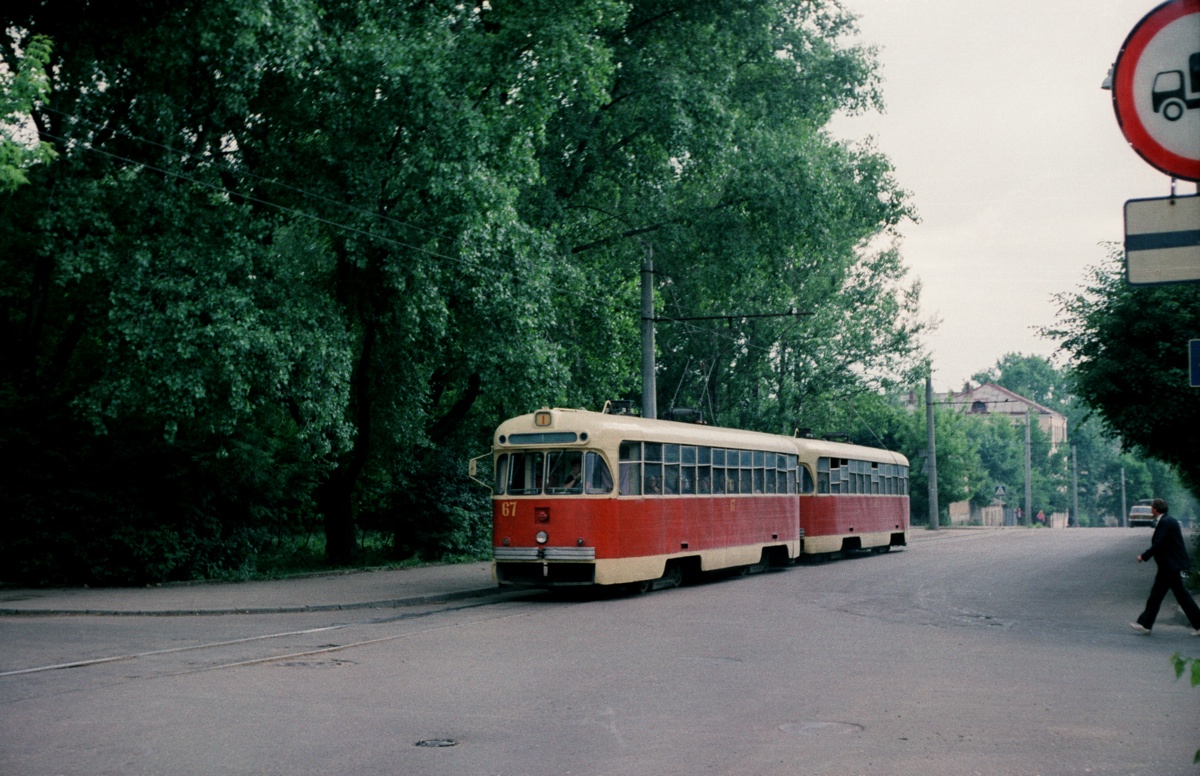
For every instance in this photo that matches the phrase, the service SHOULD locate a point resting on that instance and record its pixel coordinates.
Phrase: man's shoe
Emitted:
(1137, 626)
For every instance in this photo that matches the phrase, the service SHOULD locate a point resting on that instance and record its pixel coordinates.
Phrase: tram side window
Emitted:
(704, 470)
(598, 479)
(718, 471)
(525, 473)
(687, 470)
(630, 469)
(746, 476)
(792, 462)
(654, 470)
(835, 476)
(806, 480)
(671, 485)
(902, 485)
(501, 474)
(822, 475)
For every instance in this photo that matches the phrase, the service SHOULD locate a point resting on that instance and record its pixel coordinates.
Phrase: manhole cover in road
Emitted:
(436, 742)
(820, 728)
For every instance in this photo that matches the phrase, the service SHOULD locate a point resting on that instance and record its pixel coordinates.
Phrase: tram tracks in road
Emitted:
(298, 645)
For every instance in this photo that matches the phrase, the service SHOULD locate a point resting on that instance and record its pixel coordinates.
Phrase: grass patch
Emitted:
(300, 555)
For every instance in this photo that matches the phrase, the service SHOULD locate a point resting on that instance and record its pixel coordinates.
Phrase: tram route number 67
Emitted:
(508, 508)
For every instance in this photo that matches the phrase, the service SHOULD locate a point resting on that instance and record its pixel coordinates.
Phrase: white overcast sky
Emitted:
(997, 125)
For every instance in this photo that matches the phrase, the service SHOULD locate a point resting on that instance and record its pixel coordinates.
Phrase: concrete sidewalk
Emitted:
(383, 588)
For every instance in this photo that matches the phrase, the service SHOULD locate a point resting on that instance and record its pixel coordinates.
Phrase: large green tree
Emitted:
(718, 167)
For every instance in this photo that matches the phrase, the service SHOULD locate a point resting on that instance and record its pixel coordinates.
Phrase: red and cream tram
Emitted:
(586, 498)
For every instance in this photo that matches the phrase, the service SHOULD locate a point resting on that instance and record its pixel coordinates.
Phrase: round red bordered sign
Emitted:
(1156, 88)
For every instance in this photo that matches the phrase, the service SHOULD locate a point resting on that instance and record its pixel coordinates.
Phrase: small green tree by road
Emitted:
(1127, 354)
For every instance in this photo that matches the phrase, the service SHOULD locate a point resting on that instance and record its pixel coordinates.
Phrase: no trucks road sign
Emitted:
(1156, 88)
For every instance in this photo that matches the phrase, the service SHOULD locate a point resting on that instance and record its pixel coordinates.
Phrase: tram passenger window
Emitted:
(654, 451)
(501, 473)
(791, 472)
(654, 479)
(670, 453)
(687, 455)
(747, 459)
(746, 481)
(718, 479)
(822, 475)
(875, 479)
(704, 479)
(704, 455)
(687, 480)
(760, 459)
(630, 468)
(718, 457)
(770, 486)
(671, 479)
(759, 485)
(599, 480)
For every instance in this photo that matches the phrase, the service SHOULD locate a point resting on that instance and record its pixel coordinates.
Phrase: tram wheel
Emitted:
(672, 577)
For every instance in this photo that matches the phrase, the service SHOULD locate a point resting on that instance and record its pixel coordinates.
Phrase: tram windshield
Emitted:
(552, 473)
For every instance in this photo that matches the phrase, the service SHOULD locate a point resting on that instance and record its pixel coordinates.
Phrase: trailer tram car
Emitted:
(585, 498)
(860, 501)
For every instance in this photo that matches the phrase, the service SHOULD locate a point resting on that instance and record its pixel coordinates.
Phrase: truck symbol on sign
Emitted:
(1170, 95)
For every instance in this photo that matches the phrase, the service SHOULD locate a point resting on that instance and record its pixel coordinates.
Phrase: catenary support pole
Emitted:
(1074, 486)
(1028, 468)
(649, 389)
(931, 458)
(1123, 520)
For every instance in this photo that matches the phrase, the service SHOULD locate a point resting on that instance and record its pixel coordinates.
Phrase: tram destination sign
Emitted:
(1162, 240)
(1156, 88)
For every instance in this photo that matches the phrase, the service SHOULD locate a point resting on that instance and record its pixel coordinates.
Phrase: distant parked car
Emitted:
(1140, 514)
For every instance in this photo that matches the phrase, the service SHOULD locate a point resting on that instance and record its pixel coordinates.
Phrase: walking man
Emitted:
(1170, 553)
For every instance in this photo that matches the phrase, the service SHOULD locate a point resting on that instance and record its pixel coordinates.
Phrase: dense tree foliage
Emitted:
(296, 258)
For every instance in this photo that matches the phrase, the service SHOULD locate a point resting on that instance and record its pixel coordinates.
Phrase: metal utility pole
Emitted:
(1074, 484)
(649, 389)
(931, 460)
(1028, 468)
(1123, 518)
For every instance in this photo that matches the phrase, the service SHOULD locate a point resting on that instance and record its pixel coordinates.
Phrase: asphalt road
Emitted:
(989, 652)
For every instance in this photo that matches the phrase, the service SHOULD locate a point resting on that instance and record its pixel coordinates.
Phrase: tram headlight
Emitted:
(542, 537)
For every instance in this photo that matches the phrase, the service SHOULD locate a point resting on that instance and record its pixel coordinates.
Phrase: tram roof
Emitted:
(635, 428)
(822, 447)
(632, 427)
